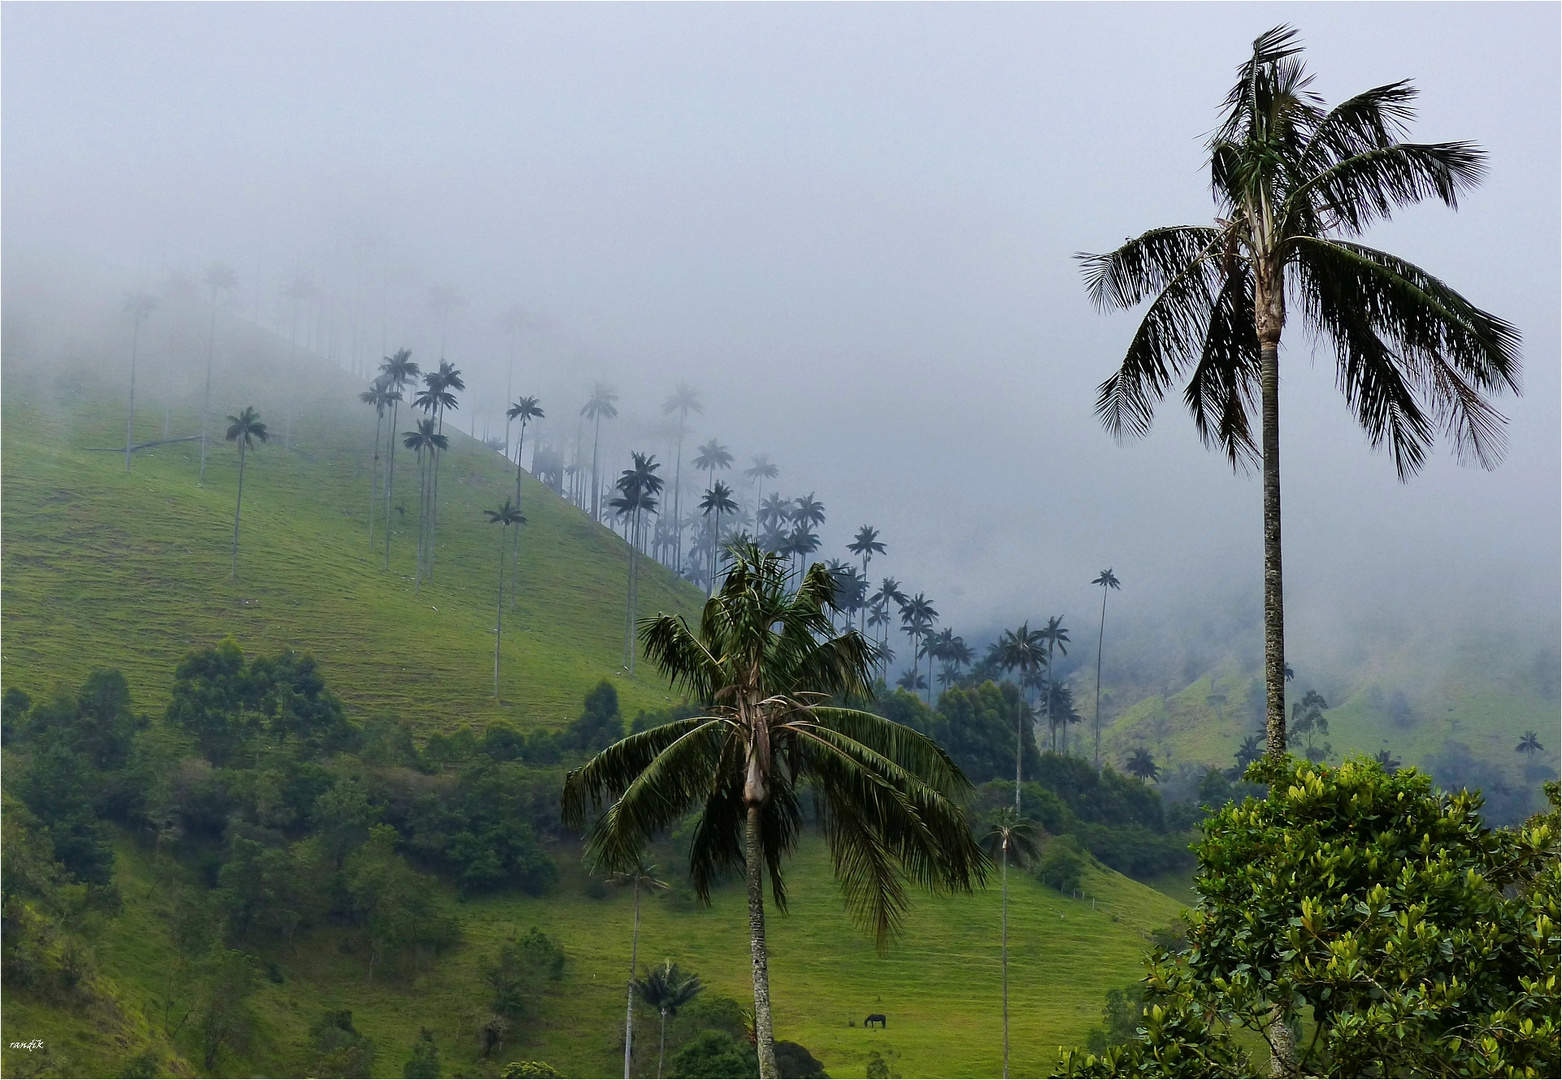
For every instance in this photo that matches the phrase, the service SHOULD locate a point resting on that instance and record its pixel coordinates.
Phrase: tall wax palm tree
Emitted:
(244, 429)
(438, 396)
(774, 511)
(426, 441)
(398, 371)
(917, 616)
(507, 515)
(683, 401)
(716, 502)
(512, 322)
(637, 875)
(597, 408)
(1009, 838)
(1295, 185)
(379, 395)
(1142, 765)
(763, 469)
(1529, 744)
(444, 300)
(140, 305)
(888, 593)
(1107, 580)
(766, 667)
(638, 489)
(219, 279)
(1022, 650)
(525, 410)
(1055, 634)
(712, 456)
(666, 989)
(865, 546)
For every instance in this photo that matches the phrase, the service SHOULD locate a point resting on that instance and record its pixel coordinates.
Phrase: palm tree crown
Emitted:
(1295, 185)
(766, 667)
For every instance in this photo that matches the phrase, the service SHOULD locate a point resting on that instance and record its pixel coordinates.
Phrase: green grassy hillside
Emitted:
(104, 567)
(1205, 721)
(939, 986)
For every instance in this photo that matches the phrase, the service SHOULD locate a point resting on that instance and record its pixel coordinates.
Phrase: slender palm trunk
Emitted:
(417, 579)
(764, 1036)
(1005, 875)
(390, 480)
(661, 1050)
(629, 600)
(634, 960)
(130, 415)
(206, 399)
(433, 508)
(1100, 639)
(678, 498)
(238, 505)
(596, 491)
(1019, 748)
(374, 473)
(515, 547)
(499, 620)
(1274, 599)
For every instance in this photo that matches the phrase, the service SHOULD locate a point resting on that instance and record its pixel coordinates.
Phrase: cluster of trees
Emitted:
(271, 818)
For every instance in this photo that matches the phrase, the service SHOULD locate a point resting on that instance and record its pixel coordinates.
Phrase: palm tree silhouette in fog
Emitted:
(140, 306)
(244, 429)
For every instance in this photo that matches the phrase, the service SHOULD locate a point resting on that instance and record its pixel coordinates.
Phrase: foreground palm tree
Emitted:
(244, 429)
(1107, 580)
(525, 410)
(666, 989)
(507, 515)
(1008, 837)
(766, 667)
(1294, 186)
(638, 875)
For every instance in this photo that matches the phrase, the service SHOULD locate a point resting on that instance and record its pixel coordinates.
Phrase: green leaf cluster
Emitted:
(1405, 936)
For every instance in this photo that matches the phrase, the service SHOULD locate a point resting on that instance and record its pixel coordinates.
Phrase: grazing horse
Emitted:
(876, 1018)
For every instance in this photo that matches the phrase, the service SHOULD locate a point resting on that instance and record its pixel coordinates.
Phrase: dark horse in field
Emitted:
(876, 1018)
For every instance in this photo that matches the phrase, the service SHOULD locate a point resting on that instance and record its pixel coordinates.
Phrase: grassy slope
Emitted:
(105, 568)
(131, 570)
(939, 986)
(1479, 708)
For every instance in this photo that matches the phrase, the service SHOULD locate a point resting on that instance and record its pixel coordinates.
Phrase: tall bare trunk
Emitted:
(1274, 602)
(1019, 748)
(237, 506)
(634, 960)
(764, 1036)
(130, 414)
(515, 545)
(1006, 959)
(374, 472)
(1100, 639)
(390, 480)
(499, 615)
(206, 399)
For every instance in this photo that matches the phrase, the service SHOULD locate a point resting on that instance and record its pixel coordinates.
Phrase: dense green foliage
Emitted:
(1402, 934)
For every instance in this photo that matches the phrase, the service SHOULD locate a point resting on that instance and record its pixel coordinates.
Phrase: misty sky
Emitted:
(852, 228)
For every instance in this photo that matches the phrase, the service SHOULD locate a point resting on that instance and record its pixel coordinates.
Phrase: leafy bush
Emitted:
(1421, 941)
(1063, 864)
(521, 971)
(336, 1047)
(714, 1054)
(424, 1062)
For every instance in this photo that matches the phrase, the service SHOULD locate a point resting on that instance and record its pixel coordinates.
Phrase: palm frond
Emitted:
(1373, 118)
(1353, 194)
(610, 773)
(1378, 309)
(1221, 392)
(1167, 340)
